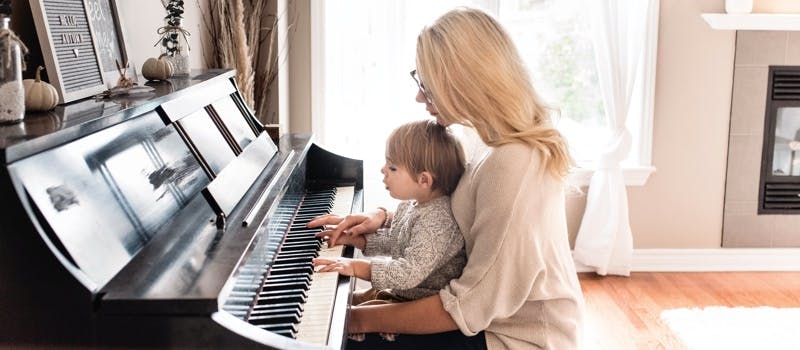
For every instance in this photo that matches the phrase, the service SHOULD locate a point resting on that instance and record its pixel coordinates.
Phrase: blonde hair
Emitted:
(427, 146)
(476, 78)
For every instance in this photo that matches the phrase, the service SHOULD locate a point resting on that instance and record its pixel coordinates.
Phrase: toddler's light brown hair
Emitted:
(427, 146)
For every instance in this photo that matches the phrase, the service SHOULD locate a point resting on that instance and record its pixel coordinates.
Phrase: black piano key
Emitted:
(302, 247)
(297, 275)
(288, 279)
(286, 329)
(311, 246)
(271, 307)
(296, 291)
(274, 311)
(290, 285)
(289, 264)
(293, 271)
(298, 240)
(279, 299)
(294, 259)
(300, 254)
(289, 317)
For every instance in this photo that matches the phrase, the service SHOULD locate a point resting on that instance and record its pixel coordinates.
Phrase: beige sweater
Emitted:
(520, 283)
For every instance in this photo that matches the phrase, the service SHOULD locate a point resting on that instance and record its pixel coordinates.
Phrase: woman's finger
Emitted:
(359, 229)
(345, 224)
(327, 219)
(324, 234)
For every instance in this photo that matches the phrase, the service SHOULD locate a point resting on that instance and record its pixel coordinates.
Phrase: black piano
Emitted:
(169, 219)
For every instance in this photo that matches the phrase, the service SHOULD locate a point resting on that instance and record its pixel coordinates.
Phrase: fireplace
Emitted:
(779, 190)
(761, 207)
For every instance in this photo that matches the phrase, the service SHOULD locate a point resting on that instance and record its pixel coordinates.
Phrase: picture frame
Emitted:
(109, 37)
(81, 43)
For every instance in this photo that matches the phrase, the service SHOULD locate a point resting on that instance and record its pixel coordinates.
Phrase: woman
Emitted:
(519, 289)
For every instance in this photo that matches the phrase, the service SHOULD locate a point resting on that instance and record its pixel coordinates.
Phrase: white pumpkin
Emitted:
(157, 69)
(39, 95)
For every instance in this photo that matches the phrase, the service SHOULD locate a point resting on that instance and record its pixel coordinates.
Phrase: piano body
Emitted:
(169, 220)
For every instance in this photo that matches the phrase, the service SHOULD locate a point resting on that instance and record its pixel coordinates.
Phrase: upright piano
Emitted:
(169, 220)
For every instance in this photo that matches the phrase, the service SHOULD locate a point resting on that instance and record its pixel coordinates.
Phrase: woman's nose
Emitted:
(420, 97)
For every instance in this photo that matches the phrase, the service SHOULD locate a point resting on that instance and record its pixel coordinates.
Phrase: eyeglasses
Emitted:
(421, 87)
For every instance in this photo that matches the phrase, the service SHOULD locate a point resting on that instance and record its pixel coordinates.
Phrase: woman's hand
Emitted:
(351, 225)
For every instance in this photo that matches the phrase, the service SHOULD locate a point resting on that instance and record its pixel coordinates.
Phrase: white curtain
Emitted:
(622, 29)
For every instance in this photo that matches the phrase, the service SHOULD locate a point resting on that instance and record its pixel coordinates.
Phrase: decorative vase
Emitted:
(12, 93)
(175, 38)
(738, 6)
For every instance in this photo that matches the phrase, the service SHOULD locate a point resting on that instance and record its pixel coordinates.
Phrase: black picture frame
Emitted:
(109, 38)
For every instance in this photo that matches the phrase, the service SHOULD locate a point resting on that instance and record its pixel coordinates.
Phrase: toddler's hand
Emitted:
(341, 265)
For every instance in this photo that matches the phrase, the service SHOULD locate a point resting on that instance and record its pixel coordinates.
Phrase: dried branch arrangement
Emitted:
(245, 37)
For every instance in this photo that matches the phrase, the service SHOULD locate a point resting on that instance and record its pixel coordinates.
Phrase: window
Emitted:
(361, 81)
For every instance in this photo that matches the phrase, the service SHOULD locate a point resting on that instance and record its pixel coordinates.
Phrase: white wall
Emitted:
(141, 20)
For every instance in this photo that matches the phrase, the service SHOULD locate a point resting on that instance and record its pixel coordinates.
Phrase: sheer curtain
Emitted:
(624, 32)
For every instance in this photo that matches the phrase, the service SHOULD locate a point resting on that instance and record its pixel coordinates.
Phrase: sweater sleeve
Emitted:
(503, 262)
(433, 234)
(380, 244)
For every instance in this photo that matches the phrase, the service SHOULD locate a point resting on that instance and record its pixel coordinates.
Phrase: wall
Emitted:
(141, 20)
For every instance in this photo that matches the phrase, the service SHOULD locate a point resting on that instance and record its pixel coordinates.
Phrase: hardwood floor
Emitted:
(624, 312)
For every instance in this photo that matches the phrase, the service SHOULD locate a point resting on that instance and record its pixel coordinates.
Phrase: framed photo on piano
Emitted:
(81, 42)
(108, 33)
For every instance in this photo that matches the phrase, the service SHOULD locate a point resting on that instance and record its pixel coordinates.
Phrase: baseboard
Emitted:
(721, 259)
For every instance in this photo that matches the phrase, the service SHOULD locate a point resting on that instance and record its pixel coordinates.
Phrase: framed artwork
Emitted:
(108, 34)
(81, 43)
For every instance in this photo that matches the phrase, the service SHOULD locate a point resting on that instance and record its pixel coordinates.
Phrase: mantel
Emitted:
(753, 21)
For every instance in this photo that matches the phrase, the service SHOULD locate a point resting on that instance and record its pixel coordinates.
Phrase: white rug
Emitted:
(736, 328)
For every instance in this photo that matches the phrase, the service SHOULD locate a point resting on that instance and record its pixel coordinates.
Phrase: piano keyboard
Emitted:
(293, 300)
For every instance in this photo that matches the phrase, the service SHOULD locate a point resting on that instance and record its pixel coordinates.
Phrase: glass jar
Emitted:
(175, 45)
(12, 94)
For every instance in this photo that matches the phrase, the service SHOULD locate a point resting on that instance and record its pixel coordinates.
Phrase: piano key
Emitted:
(279, 299)
(293, 285)
(293, 299)
(288, 317)
(315, 323)
(267, 307)
(288, 329)
(285, 310)
(276, 292)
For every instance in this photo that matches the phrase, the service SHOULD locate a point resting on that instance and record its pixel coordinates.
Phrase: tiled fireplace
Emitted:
(746, 224)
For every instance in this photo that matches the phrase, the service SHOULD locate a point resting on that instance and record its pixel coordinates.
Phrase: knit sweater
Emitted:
(424, 247)
(520, 284)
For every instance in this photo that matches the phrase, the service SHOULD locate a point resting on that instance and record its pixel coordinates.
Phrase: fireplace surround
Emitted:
(745, 223)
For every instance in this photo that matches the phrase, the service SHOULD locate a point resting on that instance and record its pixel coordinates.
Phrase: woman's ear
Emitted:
(425, 179)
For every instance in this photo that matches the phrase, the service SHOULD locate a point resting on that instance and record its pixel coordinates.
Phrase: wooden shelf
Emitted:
(753, 21)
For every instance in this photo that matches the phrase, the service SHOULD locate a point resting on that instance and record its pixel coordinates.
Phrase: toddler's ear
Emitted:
(425, 179)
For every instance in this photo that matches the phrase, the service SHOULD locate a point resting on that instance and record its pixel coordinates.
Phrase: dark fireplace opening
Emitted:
(779, 187)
